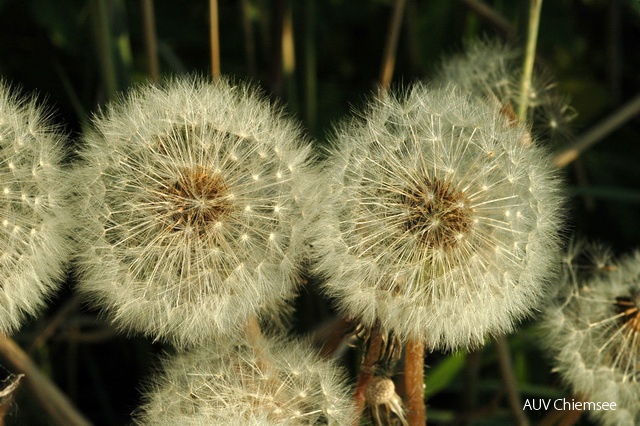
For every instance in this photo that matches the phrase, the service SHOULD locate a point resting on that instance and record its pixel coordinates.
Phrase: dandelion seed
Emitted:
(34, 211)
(278, 383)
(446, 228)
(593, 332)
(188, 232)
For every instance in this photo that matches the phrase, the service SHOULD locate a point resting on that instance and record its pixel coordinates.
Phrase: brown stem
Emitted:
(215, 39)
(367, 368)
(492, 16)
(414, 382)
(150, 39)
(389, 60)
(599, 132)
(506, 369)
(56, 404)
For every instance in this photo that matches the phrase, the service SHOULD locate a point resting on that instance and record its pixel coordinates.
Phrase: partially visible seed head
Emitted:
(275, 383)
(35, 216)
(593, 332)
(492, 70)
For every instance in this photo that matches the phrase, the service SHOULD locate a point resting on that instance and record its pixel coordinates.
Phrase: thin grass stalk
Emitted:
(150, 39)
(214, 33)
(289, 57)
(535, 7)
(275, 22)
(510, 385)
(599, 132)
(492, 16)
(105, 52)
(391, 47)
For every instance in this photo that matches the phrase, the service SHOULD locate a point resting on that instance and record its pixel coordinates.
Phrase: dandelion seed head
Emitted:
(432, 237)
(34, 209)
(593, 331)
(280, 382)
(492, 70)
(188, 232)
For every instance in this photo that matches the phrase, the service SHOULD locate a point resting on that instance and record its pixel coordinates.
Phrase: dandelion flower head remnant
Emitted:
(34, 219)
(193, 222)
(447, 222)
(279, 382)
(593, 331)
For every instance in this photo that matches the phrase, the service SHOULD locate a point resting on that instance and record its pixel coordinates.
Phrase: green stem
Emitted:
(527, 70)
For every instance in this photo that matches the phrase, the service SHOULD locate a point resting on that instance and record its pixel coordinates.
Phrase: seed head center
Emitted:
(629, 310)
(197, 199)
(438, 214)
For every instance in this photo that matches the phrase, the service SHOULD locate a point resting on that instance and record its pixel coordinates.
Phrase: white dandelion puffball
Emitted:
(446, 222)
(277, 383)
(33, 213)
(193, 221)
(593, 333)
(492, 70)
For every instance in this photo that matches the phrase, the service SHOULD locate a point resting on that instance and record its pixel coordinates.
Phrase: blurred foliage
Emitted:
(52, 48)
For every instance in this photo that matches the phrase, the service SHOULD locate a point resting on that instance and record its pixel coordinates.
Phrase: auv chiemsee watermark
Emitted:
(562, 404)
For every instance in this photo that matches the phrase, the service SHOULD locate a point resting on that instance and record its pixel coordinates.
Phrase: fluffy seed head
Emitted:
(493, 70)
(192, 221)
(278, 383)
(34, 219)
(445, 224)
(593, 332)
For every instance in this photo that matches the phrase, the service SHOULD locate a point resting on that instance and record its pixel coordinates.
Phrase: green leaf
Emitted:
(443, 374)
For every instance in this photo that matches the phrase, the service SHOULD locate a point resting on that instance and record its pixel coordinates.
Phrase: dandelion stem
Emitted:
(506, 369)
(150, 39)
(367, 368)
(215, 39)
(414, 382)
(529, 58)
(599, 131)
(51, 398)
(389, 58)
